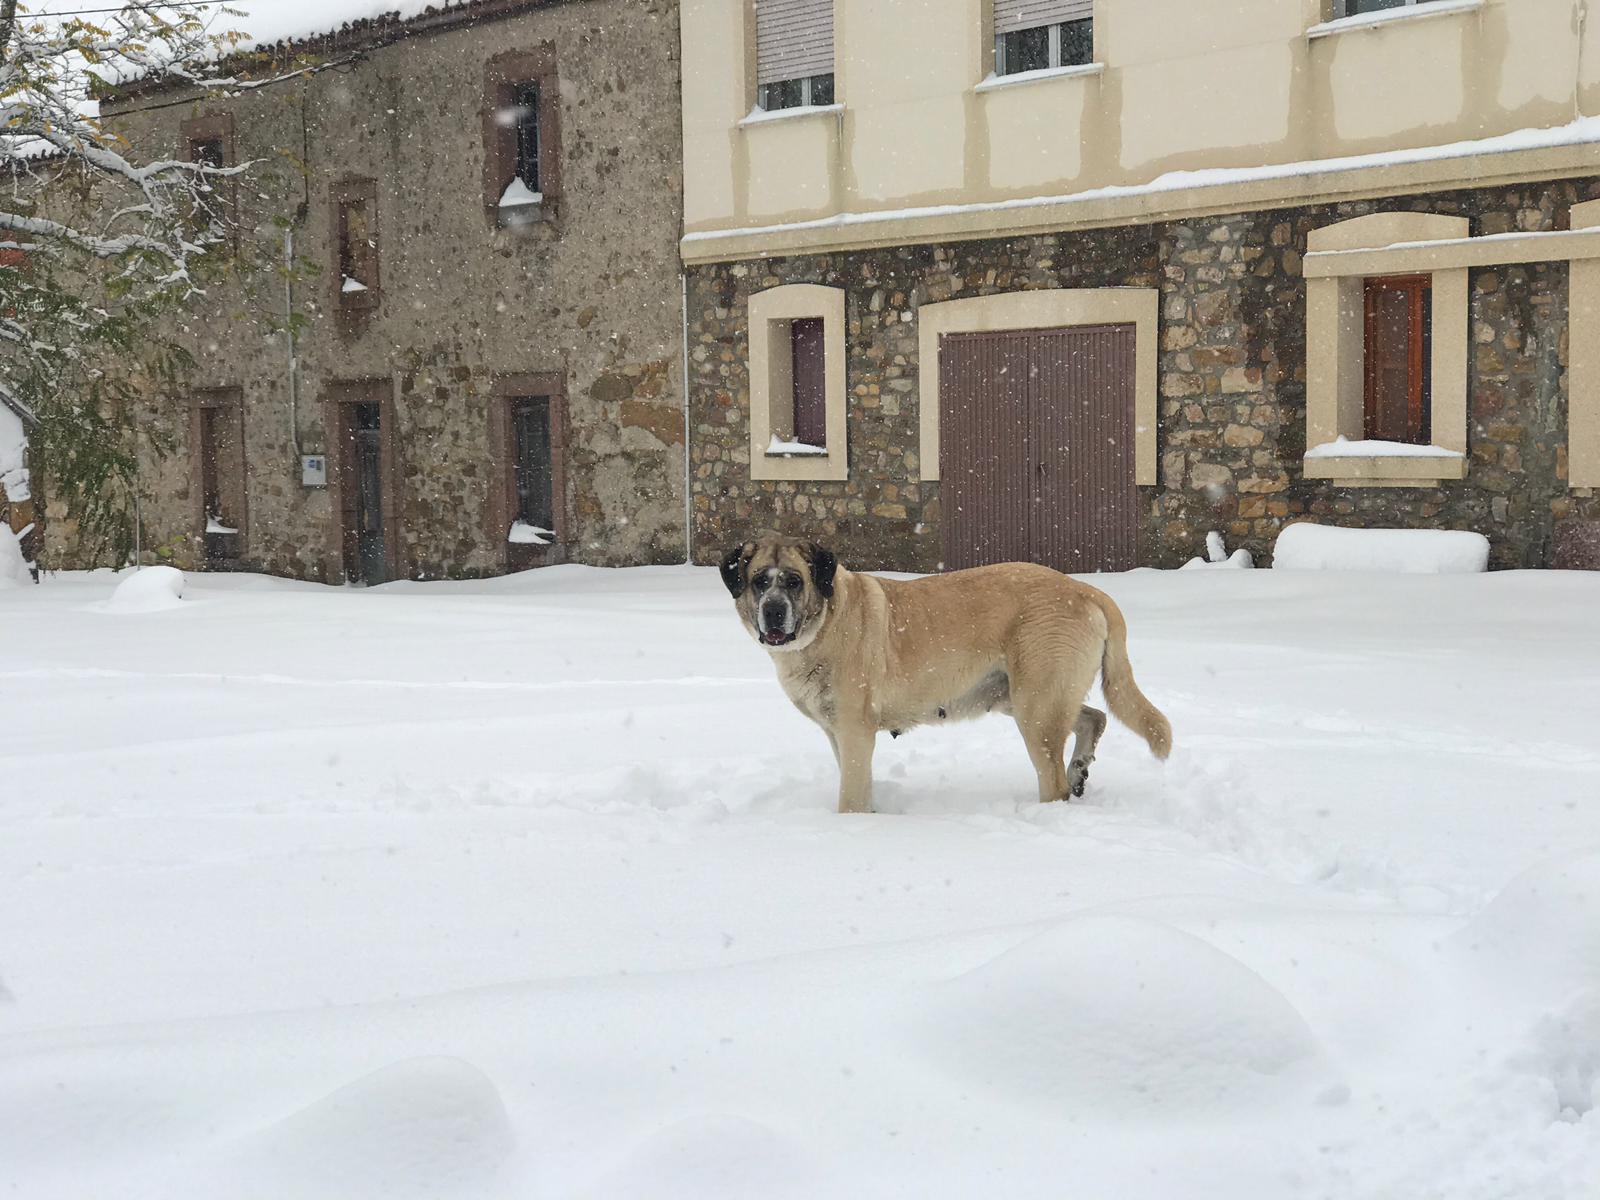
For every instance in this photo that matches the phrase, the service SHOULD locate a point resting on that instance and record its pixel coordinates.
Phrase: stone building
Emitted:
(478, 207)
(1091, 278)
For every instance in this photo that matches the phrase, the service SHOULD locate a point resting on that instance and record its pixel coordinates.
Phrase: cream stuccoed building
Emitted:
(1083, 280)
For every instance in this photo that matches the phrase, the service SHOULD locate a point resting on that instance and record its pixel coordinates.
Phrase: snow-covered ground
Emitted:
(532, 888)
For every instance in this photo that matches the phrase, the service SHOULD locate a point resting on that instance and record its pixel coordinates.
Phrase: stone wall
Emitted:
(1232, 385)
(592, 296)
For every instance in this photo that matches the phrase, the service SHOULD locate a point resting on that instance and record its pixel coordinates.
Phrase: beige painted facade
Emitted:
(924, 144)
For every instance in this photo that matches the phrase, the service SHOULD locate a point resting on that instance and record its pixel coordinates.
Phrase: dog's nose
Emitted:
(772, 614)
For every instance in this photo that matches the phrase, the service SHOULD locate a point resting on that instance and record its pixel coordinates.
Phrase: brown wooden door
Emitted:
(1037, 448)
(986, 437)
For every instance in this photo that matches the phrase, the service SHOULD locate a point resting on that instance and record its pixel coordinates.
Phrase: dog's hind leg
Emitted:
(1085, 737)
(1047, 694)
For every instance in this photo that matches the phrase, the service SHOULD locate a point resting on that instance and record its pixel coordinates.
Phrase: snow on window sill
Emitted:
(523, 534)
(761, 116)
(1344, 448)
(994, 82)
(778, 448)
(1388, 16)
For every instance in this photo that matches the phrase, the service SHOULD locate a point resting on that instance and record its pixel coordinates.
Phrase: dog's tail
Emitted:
(1127, 703)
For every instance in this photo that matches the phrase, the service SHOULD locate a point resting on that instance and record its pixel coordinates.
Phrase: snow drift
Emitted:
(1308, 546)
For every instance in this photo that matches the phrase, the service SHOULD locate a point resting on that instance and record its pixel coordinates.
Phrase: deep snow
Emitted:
(531, 888)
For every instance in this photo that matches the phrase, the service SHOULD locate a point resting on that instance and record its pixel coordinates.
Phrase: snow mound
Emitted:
(713, 1154)
(149, 589)
(1308, 546)
(1239, 560)
(1543, 928)
(13, 567)
(425, 1127)
(1120, 1018)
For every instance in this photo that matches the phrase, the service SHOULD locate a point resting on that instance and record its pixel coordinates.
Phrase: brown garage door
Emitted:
(1037, 448)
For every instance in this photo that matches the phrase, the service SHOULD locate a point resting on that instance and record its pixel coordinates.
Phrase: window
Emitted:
(532, 473)
(1354, 8)
(208, 141)
(809, 360)
(1037, 35)
(797, 384)
(526, 510)
(220, 476)
(1398, 353)
(521, 179)
(1387, 350)
(355, 274)
(794, 53)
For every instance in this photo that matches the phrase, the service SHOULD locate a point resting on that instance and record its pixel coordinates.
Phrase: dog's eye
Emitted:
(792, 582)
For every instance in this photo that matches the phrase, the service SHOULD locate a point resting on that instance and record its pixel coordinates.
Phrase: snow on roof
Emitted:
(267, 22)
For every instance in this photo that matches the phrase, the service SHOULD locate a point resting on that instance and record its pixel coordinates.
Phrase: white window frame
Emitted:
(1341, 8)
(1054, 63)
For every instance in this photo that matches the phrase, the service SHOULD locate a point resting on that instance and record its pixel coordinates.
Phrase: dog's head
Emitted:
(781, 588)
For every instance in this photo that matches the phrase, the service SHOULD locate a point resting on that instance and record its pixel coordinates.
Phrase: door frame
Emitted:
(338, 414)
(1046, 308)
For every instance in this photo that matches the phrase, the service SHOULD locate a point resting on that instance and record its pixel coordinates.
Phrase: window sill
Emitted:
(1389, 16)
(1386, 470)
(760, 116)
(994, 82)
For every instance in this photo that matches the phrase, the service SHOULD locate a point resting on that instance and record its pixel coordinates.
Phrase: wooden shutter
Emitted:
(1013, 15)
(794, 39)
(810, 381)
(1396, 375)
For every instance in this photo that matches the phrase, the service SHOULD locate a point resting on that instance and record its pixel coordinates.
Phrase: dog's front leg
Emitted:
(853, 745)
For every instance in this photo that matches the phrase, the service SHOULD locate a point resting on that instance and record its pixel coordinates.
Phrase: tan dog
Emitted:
(859, 654)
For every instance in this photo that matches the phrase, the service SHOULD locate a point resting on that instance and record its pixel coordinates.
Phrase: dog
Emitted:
(859, 654)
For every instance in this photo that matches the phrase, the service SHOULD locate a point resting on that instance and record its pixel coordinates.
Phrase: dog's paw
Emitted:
(1078, 777)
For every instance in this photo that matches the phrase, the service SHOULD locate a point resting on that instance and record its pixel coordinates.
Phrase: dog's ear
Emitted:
(735, 564)
(823, 566)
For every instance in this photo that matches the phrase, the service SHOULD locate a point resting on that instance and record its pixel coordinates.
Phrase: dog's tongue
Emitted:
(775, 637)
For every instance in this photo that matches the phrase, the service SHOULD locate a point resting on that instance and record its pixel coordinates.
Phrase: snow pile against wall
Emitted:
(1311, 547)
(13, 568)
(13, 456)
(150, 589)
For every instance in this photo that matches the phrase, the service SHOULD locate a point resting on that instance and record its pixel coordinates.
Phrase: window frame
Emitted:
(808, 97)
(502, 508)
(1343, 8)
(504, 74)
(354, 305)
(1053, 56)
(1339, 260)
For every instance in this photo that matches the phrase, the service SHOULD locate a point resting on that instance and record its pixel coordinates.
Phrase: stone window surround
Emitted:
(1339, 257)
(1336, 352)
(505, 389)
(1046, 308)
(771, 381)
(501, 74)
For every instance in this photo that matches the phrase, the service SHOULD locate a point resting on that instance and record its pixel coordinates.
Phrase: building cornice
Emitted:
(1171, 198)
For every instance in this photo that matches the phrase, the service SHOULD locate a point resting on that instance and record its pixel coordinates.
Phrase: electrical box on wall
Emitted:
(314, 470)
